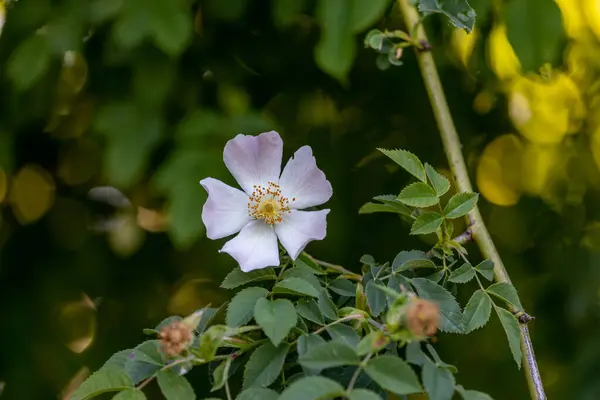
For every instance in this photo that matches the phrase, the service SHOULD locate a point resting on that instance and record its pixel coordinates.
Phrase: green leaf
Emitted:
(308, 309)
(130, 394)
(102, 381)
(506, 292)
(172, 27)
(439, 382)
(375, 297)
(462, 274)
(29, 61)
(328, 355)
(408, 161)
(486, 269)
(238, 278)
(276, 317)
(363, 394)
(411, 259)
(343, 287)
(285, 12)
(394, 205)
(459, 12)
(326, 305)
(296, 286)
(393, 374)
(414, 354)
(143, 361)
(258, 394)
(340, 21)
(312, 388)
(264, 365)
(472, 394)
(241, 307)
(477, 311)
(451, 317)
(512, 330)
(174, 386)
(305, 344)
(221, 374)
(344, 333)
(117, 360)
(426, 223)
(440, 183)
(460, 204)
(534, 29)
(306, 273)
(418, 194)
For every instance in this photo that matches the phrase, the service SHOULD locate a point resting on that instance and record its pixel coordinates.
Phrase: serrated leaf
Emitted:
(414, 354)
(535, 31)
(221, 374)
(174, 386)
(264, 365)
(117, 360)
(408, 161)
(513, 331)
(238, 278)
(143, 361)
(329, 355)
(394, 204)
(486, 269)
(296, 286)
(344, 333)
(505, 292)
(472, 394)
(308, 309)
(478, 309)
(411, 259)
(438, 382)
(363, 394)
(305, 273)
(459, 12)
(102, 381)
(275, 317)
(375, 297)
(393, 374)
(305, 343)
(439, 182)
(460, 204)
(418, 194)
(258, 394)
(462, 274)
(426, 223)
(326, 305)
(371, 208)
(130, 394)
(451, 317)
(241, 308)
(312, 388)
(343, 287)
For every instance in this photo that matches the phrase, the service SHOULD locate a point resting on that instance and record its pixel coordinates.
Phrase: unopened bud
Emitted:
(422, 317)
(175, 338)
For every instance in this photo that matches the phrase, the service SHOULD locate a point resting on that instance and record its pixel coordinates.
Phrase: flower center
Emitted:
(268, 204)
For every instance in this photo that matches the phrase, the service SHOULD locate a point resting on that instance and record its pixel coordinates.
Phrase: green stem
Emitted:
(357, 373)
(456, 161)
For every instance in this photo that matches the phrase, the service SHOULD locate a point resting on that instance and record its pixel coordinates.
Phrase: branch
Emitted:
(452, 148)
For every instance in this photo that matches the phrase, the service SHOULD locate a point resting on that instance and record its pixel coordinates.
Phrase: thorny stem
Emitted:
(452, 147)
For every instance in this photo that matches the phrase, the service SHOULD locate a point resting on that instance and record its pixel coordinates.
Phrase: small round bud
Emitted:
(422, 317)
(175, 338)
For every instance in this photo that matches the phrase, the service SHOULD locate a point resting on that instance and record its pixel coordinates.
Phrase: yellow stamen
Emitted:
(268, 204)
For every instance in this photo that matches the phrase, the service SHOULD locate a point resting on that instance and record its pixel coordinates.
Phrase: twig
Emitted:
(357, 373)
(337, 268)
(456, 161)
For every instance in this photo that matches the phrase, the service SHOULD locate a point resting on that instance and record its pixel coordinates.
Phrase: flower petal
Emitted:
(254, 160)
(302, 180)
(298, 228)
(225, 211)
(255, 247)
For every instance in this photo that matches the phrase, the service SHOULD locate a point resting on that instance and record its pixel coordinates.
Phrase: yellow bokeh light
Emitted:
(498, 171)
(78, 323)
(463, 44)
(501, 56)
(538, 163)
(3, 185)
(545, 109)
(31, 194)
(192, 294)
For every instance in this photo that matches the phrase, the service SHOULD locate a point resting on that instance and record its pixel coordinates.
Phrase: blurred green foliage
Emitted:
(142, 96)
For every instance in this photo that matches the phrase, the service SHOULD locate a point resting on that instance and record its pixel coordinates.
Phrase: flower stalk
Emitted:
(452, 148)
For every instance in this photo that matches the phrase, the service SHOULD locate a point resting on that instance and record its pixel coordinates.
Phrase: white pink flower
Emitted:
(269, 206)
